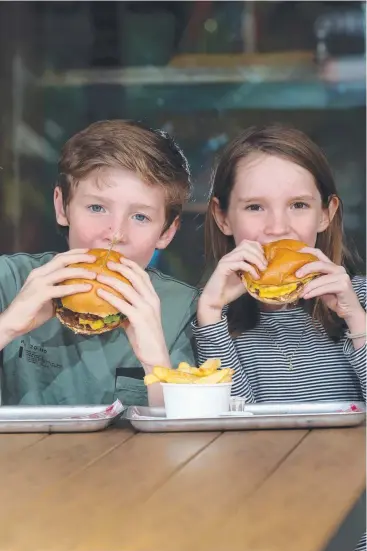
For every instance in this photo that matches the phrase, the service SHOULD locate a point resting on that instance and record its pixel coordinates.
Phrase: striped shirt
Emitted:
(288, 357)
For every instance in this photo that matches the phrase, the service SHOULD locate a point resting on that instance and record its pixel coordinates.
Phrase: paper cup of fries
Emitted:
(189, 400)
(189, 391)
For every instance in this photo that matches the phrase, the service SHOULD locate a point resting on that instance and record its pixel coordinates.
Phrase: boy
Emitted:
(122, 184)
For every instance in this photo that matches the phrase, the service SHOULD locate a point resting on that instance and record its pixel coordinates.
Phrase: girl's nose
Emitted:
(278, 226)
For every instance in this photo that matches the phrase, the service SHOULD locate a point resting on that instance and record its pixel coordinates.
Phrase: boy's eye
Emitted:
(140, 217)
(253, 207)
(96, 208)
(300, 205)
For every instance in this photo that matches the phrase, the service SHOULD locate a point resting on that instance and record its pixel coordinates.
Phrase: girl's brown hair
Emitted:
(292, 145)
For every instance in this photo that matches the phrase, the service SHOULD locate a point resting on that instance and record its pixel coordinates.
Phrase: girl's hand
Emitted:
(334, 287)
(225, 285)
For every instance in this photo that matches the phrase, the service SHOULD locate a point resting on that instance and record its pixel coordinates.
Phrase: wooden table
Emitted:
(280, 490)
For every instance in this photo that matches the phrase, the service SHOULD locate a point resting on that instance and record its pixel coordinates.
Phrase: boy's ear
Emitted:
(328, 213)
(167, 236)
(61, 217)
(220, 217)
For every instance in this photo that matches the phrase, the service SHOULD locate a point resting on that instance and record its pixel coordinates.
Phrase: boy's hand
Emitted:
(33, 306)
(142, 308)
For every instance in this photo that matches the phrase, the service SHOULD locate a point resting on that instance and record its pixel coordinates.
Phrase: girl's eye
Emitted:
(96, 208)
(300, 205)
(141, 217)
(254, 207)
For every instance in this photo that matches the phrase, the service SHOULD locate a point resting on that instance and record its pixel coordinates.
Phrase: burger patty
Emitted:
(72, 318)
(69, 314)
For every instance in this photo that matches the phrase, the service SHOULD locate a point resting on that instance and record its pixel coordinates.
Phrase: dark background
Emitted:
(201, 70)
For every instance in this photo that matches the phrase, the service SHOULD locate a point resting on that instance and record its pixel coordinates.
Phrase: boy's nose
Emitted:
(116, 236)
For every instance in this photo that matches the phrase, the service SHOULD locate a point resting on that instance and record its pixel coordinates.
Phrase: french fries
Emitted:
(207, 368)
(208, 373)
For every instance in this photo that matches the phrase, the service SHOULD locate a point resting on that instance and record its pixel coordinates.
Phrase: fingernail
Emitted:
(299, 273)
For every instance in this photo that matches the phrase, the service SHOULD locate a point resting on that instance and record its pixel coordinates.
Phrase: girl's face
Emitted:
(273, 199)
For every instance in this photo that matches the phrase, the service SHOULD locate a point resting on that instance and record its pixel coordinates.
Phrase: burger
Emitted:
(87, 313)
(278, 284)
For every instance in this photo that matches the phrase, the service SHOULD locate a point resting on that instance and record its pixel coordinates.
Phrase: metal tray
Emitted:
(54, 418)
(254, 416)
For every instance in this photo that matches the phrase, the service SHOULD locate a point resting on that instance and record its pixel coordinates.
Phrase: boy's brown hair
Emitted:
(152, 155)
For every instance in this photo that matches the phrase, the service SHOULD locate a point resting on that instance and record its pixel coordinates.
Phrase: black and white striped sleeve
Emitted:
(214, 341)
(357, 358)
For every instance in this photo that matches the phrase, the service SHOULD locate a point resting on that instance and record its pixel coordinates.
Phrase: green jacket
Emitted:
(52, 365)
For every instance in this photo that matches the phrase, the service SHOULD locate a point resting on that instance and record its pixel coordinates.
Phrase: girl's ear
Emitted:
(61, 217)
(328, 213)
(220, 217)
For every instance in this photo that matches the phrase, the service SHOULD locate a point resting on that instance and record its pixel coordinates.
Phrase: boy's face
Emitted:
(115, 204)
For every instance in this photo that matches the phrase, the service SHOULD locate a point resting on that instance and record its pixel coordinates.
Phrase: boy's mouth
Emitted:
(87, 313)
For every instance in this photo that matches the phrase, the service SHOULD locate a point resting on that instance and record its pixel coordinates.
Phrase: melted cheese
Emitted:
(271, 292)
(95, 324)
(274, 291)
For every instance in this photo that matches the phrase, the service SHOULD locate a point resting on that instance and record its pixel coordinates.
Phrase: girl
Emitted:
(275, 183)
